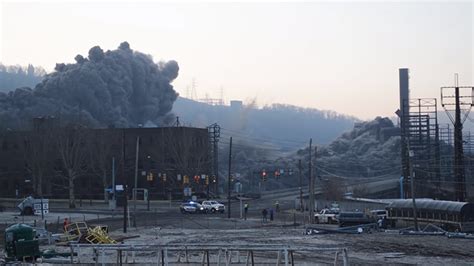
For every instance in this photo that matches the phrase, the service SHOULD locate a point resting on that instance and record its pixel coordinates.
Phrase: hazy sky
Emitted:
(342, 56)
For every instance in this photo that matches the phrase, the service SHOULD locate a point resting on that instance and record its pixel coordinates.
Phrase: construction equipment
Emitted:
(98, 235)
(76, 231)
(82, 233)
(20, 244)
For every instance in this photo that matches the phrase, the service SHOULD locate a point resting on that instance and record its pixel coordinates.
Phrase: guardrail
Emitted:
(180, 253)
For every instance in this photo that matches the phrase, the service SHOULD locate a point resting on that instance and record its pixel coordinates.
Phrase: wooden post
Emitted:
(345, 258)
(311, 185)
(72, 254)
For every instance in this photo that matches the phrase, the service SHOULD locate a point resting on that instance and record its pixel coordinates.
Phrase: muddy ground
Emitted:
(364, 249)
(165, 225)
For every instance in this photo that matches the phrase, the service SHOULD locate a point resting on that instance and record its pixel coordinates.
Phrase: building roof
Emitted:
(429, 204)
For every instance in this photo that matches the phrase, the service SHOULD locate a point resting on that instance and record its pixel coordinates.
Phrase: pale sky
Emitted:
(341, 56)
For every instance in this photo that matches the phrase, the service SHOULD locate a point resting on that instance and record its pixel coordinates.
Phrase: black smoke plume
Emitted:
(123, 88)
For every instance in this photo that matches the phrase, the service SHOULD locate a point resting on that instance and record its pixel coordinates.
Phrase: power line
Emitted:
(245, 135)
(355, 177)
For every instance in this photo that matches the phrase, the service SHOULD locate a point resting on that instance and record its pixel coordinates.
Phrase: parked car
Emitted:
(192, 207)
(213, 206)
(354, 218)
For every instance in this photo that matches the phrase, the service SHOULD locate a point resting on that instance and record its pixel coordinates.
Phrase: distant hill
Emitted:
(281, 126)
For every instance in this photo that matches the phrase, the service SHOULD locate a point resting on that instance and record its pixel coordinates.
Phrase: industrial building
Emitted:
(42, 161)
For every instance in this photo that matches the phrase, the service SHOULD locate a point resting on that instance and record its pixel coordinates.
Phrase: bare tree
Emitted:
(37, 148)
(71, 144)
(100, 156)
(186, 153)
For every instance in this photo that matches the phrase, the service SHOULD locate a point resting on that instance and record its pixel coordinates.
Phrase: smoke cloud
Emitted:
(122, 87)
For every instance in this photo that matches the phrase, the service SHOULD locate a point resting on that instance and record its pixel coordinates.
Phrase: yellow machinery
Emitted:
(98, 235)
(80, 232)
(76, 231)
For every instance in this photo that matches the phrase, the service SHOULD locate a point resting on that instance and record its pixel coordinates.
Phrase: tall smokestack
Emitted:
(404, 120)
(404, 91)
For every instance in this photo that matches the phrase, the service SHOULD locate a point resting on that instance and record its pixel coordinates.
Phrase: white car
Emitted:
(213, 206)
(192, 207)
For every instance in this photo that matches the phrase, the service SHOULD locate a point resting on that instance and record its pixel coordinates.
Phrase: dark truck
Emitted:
(354, 218)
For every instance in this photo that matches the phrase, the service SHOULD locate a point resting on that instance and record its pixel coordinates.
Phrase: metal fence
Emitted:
(181, 254)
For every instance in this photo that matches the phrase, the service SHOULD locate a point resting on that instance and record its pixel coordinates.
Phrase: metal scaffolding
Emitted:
(421, 134)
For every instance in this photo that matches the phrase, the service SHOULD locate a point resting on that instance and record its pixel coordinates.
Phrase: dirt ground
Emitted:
(364, 249)
(171, 227)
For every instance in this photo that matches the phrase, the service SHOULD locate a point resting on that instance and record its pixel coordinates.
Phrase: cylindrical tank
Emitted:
(20, 232)
(20, 242)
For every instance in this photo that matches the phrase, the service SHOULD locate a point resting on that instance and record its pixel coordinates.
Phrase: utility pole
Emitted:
(412, 187)
(228, 181)
(415, 212)
(216, 164)
(466, 100)
(124, 184)
(135, 183)
(214, 135)
(301, 186)
(125, 208)
(311, 182)
(114, 191)
(458, 151)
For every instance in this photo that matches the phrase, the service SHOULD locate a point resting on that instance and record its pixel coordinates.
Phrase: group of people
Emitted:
(265, 212)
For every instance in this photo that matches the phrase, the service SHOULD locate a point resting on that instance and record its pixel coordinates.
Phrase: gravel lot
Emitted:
(168, 226)
(364, 249)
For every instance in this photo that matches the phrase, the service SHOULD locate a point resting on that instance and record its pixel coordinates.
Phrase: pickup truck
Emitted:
(213, 206)
(326, 216)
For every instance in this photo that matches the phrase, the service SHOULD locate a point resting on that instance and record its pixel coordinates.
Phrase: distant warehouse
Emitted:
(49, 159)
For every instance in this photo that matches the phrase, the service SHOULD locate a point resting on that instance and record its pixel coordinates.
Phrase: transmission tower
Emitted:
(221, 102)
(193, 90)
(460, 103)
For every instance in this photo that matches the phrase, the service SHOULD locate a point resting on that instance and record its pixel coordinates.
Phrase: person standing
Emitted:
(65, 224)
(264, 215)
(271, 214)
(246, 209)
